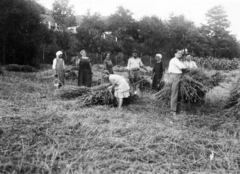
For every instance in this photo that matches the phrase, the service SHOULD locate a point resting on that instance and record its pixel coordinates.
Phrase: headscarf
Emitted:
(58, 53)
(159, 55)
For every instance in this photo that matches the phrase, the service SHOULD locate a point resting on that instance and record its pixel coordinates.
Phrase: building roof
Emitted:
(47, 18)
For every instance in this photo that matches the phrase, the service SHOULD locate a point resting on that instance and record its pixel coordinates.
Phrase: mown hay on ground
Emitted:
(99, 95)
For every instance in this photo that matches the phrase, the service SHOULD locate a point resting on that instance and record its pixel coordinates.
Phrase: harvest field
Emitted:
(42, 133)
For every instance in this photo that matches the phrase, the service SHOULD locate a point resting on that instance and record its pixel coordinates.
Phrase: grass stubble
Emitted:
(41, 133)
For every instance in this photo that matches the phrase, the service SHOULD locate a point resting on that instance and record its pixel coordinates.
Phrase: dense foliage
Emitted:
(21, 31)
(25, 40)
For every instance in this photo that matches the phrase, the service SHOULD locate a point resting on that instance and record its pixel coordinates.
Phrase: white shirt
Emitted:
(190, 65)
(175, 66)
(120, 82)
(134, 63)
(55, 63)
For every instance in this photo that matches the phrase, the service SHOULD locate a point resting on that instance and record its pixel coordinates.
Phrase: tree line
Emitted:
(24, 39)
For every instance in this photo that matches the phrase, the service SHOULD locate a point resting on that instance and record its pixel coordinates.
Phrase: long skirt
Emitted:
(85, 78)
(61, 76)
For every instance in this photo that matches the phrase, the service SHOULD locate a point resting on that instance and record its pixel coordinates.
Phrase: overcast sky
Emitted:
(193, 10)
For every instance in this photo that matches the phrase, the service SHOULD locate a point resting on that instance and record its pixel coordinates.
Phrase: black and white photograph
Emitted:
(119, 87)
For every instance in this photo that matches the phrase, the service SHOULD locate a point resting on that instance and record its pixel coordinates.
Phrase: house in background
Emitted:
(72, 29)
(108, 35)
(49, 21)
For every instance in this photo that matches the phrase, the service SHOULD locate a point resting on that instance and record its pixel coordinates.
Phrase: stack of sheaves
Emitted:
(71, 91)
(233, 104)
(193, 86)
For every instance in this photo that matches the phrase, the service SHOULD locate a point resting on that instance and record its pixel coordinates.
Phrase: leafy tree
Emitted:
(20, 31)
(65, 41)
(152, 35)
(90, 32)
(222, 43)
(177, 27)
(197, 42)
(124, 27)
(63, 14)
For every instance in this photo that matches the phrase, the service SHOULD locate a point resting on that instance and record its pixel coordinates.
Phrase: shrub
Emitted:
(20, 68)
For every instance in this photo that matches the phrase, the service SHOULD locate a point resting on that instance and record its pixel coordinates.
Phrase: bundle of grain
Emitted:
(97, 67)
(119, 68)
(233, 104)
(207, 78)
(100, 87)
(101, 97)
(217, 96)
(70, 91)
(191, 90)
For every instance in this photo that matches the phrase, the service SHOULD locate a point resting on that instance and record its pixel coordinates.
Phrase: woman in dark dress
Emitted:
(84, 70)
(157, 73)
(107, 66)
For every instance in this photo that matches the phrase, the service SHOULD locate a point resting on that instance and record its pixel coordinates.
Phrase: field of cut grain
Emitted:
(40, 133)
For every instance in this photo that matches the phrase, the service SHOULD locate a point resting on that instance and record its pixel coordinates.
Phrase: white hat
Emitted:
(58, 53)
(159, 55)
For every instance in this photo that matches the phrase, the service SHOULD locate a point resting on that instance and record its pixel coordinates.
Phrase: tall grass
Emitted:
(217, 63)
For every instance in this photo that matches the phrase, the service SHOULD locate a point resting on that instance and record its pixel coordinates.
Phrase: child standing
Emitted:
(59, 67)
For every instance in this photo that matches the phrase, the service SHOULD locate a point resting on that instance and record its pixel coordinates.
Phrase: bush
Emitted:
(20, 68)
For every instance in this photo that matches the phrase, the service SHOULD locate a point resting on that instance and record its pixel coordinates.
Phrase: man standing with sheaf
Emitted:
(134, 65)
(176, 68)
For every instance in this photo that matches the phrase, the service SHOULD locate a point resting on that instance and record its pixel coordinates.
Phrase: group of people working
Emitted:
(120, 85)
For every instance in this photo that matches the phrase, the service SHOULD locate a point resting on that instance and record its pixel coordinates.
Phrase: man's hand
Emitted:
(185, 70)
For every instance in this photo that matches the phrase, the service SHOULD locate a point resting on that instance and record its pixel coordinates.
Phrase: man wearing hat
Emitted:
(59, 67)
(134, 65)
(176, 68)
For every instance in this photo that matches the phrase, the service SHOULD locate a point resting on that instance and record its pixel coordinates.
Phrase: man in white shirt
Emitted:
(175, 69)
(133, 67)
(191, 65)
